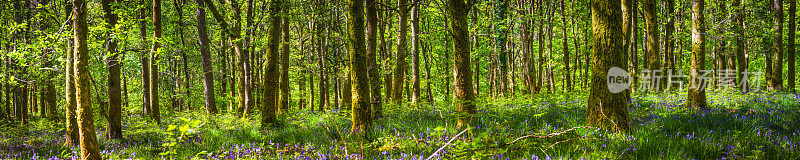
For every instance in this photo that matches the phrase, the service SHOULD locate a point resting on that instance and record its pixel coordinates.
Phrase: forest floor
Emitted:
(753, 126)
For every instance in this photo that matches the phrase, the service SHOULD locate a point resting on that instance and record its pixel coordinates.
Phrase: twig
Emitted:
(446, 144)
(544, 136)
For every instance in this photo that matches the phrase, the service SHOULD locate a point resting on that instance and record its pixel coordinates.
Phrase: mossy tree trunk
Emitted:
(88, 140)
(114, 129)
(607, 110)
(271, 70)
(464, 95)
(696, 97)
(208, 74)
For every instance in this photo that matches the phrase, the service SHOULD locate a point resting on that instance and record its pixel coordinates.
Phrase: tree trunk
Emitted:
(696, 97)
(72, 121)
(777, 56)
(285, 96)
(400, 62)
(144, 60)
(271, 74)
(208, 74)
(653, 45)
(790, 46)
(669, 43)
(461, 48)
(415, 79)
(88, 141)
(114, 129)
(567, 73)
(154, 53)
(500, 46)
(372, 66)
(323, 89)
(607, 109)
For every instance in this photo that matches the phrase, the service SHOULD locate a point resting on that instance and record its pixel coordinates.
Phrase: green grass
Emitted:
(753, 126)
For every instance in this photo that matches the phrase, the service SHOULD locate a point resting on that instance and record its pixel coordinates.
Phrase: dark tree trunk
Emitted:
(285, 66)
(400, 61)
(208, 74)
(114, 129)
(372, 66)
(415, 47)
(776, 81)
(790, 45)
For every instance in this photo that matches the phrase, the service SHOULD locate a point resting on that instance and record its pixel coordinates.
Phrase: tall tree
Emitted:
(208, 74)
(321, 58)
(500, 45)
(738, 27)
(88, 140)
(373, 67)
(285, 96)
(776, 80)
(606, 109)
(696, 97)
(568, 79)
(271, 70)
(114, 129)
(415, 79)
(362, 120)
(653, 45)
(234, 35)
(669, 42)
(400, 62)
(71, 102)
(144, 58)
(458, 10)
(790, 46)
(154, 53)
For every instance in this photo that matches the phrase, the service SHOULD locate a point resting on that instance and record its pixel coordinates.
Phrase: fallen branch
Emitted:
(544, 136)
(446, 144)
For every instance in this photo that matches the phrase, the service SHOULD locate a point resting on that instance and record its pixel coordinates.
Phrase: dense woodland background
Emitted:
(85, 67)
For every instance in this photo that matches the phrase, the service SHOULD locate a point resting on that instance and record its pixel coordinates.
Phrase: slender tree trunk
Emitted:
(88, 141)
(72, 121)
(208, 74)
(696, 97)
(114, 129)
(285, 66)
(271, 74)
(669, 43)
(540, 36)
(500, 46)
(400, 62)
(323, 89)
(154, 53)
(145, 59)
(415, 79)
(777, 56)
(568, 80)
(790, 46)
(373, 67)
(606, 109)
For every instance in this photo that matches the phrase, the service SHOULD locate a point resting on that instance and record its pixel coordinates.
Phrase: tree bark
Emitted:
(373, 67)
(88, 141)
(696, 96)
(463, 74)
(400, 61)
(360, 115)
(790, 46)
(208, 73)
(607, 110)
(271, 74)
(565, 45)
(669, 43)
(144, 59)
(285, 66)
(114, 129)
(777, 57)
(154, 53)
(653, 45)
(415, 79)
